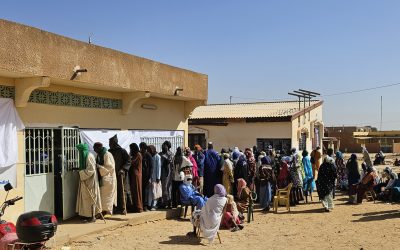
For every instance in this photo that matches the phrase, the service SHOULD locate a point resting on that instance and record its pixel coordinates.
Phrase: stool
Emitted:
(186, 208)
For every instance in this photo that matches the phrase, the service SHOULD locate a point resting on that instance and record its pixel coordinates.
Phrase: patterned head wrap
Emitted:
(240, 186)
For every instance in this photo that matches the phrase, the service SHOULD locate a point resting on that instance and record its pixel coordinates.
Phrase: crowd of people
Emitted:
(218, 185)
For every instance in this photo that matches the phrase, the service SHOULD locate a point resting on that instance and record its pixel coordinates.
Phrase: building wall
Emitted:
(306, 122)
(243, 135)
(13, 212)
(26, 51)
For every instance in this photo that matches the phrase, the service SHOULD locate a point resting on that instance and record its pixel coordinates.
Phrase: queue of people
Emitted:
(220, 186)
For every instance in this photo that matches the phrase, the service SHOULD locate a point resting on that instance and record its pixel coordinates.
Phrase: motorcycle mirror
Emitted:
(8, 187)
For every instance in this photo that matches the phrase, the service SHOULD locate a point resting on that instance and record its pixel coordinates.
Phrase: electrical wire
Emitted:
(326, 95)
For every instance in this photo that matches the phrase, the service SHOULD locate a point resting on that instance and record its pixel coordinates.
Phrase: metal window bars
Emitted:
(176, 141)
(70, 138)
(39, 151)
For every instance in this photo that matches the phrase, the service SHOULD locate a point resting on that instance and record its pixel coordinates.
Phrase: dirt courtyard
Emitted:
(364, 226)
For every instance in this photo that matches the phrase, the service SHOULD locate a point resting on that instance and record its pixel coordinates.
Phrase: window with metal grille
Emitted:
(176, 141)
(39, 151)
(199, 139)
(303, 141)
(282, 145)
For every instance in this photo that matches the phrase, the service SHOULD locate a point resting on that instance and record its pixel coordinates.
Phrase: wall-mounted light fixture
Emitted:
(77, 72)
(177, 89)
(149, 106)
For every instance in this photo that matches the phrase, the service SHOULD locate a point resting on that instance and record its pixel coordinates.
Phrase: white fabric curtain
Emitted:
(125, 137)
(9, 124)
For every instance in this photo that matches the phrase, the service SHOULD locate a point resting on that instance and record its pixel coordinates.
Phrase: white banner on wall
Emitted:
(126, 137)
(10, 123)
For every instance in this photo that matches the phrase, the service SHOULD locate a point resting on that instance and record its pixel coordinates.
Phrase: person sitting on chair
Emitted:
(189, 195)
(208, 219)
(384, 192)
(367, 183)
(379, 158)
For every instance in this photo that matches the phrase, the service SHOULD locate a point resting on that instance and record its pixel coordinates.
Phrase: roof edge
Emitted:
(309, 108)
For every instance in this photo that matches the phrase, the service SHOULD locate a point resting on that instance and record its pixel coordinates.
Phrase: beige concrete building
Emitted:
(280, 124)
(61, 85)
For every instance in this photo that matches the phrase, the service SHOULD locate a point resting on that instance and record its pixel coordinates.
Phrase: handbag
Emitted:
(157, 190)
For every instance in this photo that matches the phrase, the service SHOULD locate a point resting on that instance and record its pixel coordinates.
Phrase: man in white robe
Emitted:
(107, 178)
(88, 203)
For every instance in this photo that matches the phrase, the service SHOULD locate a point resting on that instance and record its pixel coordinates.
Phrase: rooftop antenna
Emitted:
(90, 38)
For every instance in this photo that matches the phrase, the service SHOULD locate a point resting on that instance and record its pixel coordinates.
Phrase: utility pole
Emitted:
(230, 99)
(381, 116)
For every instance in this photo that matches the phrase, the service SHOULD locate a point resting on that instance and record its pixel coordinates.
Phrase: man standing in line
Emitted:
(88, 203)
(107, 178)
(166, 174)
(315, 161)
(122, 165)
(211, 163)
(147, 168)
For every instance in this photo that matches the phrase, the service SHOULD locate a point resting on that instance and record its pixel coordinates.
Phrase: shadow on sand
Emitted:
(375, 216)
(183, 240)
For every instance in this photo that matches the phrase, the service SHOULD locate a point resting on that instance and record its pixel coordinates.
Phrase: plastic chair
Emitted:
(370, 195)
(250, 208)
(185, 207)
(283, 195)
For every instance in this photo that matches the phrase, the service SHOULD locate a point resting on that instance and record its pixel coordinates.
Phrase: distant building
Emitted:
(342, 137)
(374, 141)
(281, 125)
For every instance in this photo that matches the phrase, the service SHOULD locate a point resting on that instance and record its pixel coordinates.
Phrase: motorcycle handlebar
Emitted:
(12, 201)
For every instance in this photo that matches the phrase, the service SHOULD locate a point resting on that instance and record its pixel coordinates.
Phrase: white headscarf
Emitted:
(211, 215)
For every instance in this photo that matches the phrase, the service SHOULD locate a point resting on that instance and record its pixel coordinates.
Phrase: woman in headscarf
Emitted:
(227, 177)
(209, 217)
(353, 172)
(284, 174)
(326, 183)
(251, 165)
(267, 182)
(296, 174)
(135, 178)
(230, 219)
(367, 183)
(341, 171)
(243, 195)
(384, 191)
(353, 175)
(240, 171)
(195, 174)
(308, 181)
(179, 163)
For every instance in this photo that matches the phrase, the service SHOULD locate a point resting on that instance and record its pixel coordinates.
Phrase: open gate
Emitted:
(70, 177)
(39, 177)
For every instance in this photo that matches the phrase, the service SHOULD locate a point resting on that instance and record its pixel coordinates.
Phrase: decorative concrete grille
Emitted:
(65, 99)
(7, 92)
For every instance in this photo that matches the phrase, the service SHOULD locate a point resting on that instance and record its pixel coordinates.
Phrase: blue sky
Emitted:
(255, 50)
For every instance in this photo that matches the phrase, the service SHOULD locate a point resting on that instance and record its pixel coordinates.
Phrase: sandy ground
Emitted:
(364, 226)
